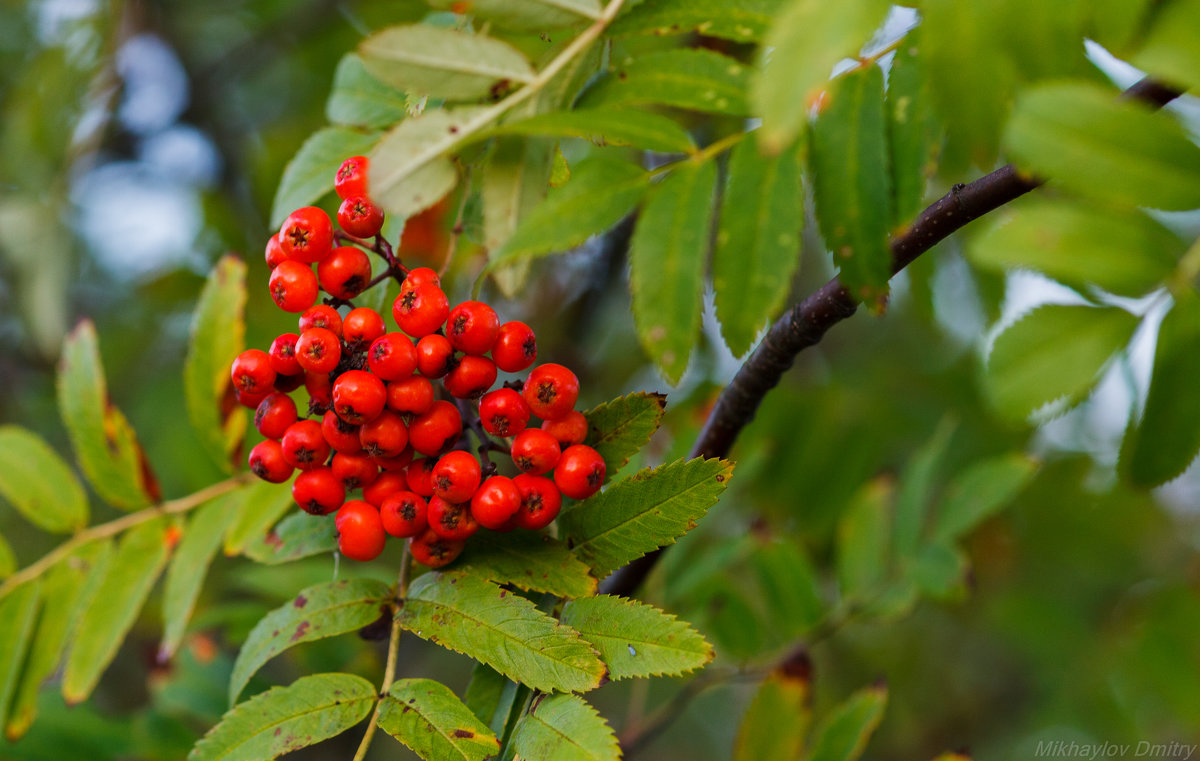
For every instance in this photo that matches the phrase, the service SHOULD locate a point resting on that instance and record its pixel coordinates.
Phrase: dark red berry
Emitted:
(268, 463)
(274, 415)
(318, 491)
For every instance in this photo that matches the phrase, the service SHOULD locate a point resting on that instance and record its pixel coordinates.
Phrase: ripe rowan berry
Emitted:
(421, 310)
(359, 217)
(579, 472)
(435, 356)
(251, 400)
(358, 396)
(320, 392)
(252, 373)
(456, 476)
(268, 463)
(383, 487)
(361, 326)
(385, 436)
(422, 275)
(304, 446)
(436, 430)
(355, 471)
(342, 436)
(318, 491)
(404, 514)
(551, 391)
(434, 551)
(472, 327)
(515, 348)
(318, 350)
(288, 383)
(274, 253)
(360, 530)
(450, 520)
(471, 377)
(495, 502)
(274, 415)
(413, 395)
(307, 235)
(283, 355)
(540, 501)
(345, 272)
(420, 475)
(293, 286)
(534, 451)
(351, 177)
(503, 412)
(321, 316)
(568, 430)
(392, 357)
(398, 463)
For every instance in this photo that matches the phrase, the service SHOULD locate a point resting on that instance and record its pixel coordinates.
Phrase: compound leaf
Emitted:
(642, 129)
(18, 612)
(359, 99)
(185, 574)
(1172, 48)
(255, 508)
(618, 429)
(692, 79)
(309, 175)
(299, 535)
(529, 561)
(911, 132)
(429, 718)
(777, 722)
(863, 539)
(565, 728)
(745, 21)
(512, 183)
(529, 15)
(635, 639)
(843, 734)
(979, 491)
(36, 481)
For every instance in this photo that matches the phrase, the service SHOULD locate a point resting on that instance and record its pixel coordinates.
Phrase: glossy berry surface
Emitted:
(437, 429)
(580, 472)
(268, 463)
(421, 310)
(358, 396)
(541, 501)
(495, 502)
(361, 326)
(420, 475)
(274, 253)
(342, 436)
(503, 412)
(449, 520)
(321, 316)
(471, 377)
(392, 357)
(359, 217)
(252, 373)
(432, 550)
(515, 348)
(384, 437)
(283, 355)
(355, 471)
(318, 491)
(472, 327)
(551, 391)
(318, 350)
(351, 177)
(293, 286)
(404, 514)
(385, 485)
(345, 272)
(413, 395)
(307, 235)
(535, 452)
(274, 415)
(360, 530)
(568, 430)
(304, 446)
(456, 476)
(435, 356)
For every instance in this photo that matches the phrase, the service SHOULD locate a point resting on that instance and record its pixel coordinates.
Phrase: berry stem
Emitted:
(389, 668)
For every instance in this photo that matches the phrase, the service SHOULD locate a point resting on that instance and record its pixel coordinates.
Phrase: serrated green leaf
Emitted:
(618, 429)
(298, 535)
(282, 719)
(110, 614)
(1083, 139)
(218, 335)
(484, 690)
(310, 173)
(758, 240)
(430, 719)
(843, 735)
(863, 540)
(529, 15)
(253, 510)
(938, 570)
(911, 131)
(642, 129)
(360, 100)
(1171, 51)
(18, 612)
(565, 728)
(1053, 352)
(513, 182)
(104, 442)
(324, 610)
(851, 182)
(648, 510)
(1164, 442)
(1121, 250)
(692, 79)
(600, 192)
(530, 561)
(744, 21)
(667, 258)
(777, 722)
(36, 481)
(914, 493)
(635, 639)
(441, 62)
(979, 491)
(186, 572)
(475, 617)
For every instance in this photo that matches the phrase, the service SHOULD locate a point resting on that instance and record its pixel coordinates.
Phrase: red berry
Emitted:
(569, 429)
(434, 551)
(274, 254)
(472, 327)
(503, 412)
(515, 348)
(421, 310)
(320, 392)
(392, 357)
(345, 272)
(385, 436)
(307, 235)
(251, 400)
(321, 316)
(288, 383)
(495, 502)
(449, 520)
(283, 355)
(358, 396)
(404, 514)
(551, 391)
(471, 377)
(318, 491)
(422, 275)
(359, 217)
(436, 430)
(384, 486)
(435, 356)
(318, 350)
(304, 446)
(351, 177)
(540, 501)
(354, 470)
(360, 530)
(534, 451)
(579, 472)
(268, 463)
(456, 476)
(274, 415)
(398, 463)
(252, 373)
(293, 286)
(342, 436)
(413, 395)
(362, 326)
(420, 475)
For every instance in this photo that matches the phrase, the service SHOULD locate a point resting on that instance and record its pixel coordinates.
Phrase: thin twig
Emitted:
(389, 668)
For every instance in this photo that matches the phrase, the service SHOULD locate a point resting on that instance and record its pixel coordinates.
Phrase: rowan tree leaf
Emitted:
(360, 100)
(851, 182)
(687, 78)
(635, 639)
(912, 130)
(253, 510)
(185, 574)
(758, 240)
(939, 570)
(8, 561)
(667, 258)
(483, 692)
(843, 734)
(1083, 139)
(429, 718)
(777, 723)
(283, 719)
(317, 612)
(618, 429)
(309, 175)
(104, 442)
(744, 21)
(1171, 51)
(110, 614)
(529, 15)
(565, 728)
(648, 510)
(18, 614)
(512, 183)
(915, 490)
(476, 617)
(864, 538)
(979, 491)
(218, 335)
(36, 481)
(642, 129)
(789, 586)
(529, 561)
(1053, 352)
(298, 535)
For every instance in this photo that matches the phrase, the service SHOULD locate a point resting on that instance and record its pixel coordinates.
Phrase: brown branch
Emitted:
(806, 323)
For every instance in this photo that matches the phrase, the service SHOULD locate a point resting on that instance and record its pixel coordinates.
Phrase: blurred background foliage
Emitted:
(140, 141)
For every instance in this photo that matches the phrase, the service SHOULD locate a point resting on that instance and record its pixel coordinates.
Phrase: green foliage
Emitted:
(202, 536)
(309, 175)
(635, 639)
(912, 131)
(642, 129)
(863, 539)
(1172, 47)
(427, 717)
(744, 21)
(17, 614)
(565, 727)
(777, 723)
(696, 80)
(529, 15)
(360, 100)
(409, 169)
(255, 508)
(298, 535)
(843, 734)
(35, 480)
(619, 428)
(978, 491)
(530, 561)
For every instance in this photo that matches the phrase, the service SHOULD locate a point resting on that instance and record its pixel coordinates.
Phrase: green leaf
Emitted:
(1164, 442)
(360, 100)
(939, 570)
(110, 614)
(1085, 140)
(807, 39)
(565, 728)
(255, 508)
(863, 540)
(513, 182)
(744, 21)
(218, 335)
(320, 611)
(440, 62)
(282, 719)
(843, 734)
(35, 480)
(529, 15)
(530, 561)
(186, 572)
(600, 192)
(790, 586)
(851, 182)
(299, 535)
(642, 129)
(667, 258)
(1172, 48)
(1053, 352)
(484, 691)
(309, 175)
(18, 612)
(1115, 23)
(430, 719)
(914, 494)
(692, 79)
(618, 429)
(104, 442)
(639, 514)
(911, 132)
(475, 617)
(1121, 250)
(758, 240)
(635, 639)
(979, 491)
(8, 561)
(777, 722)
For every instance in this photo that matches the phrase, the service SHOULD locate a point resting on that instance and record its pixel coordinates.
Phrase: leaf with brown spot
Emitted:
(430, 719)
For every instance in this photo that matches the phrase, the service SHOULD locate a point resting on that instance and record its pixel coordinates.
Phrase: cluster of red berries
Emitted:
(373, 405)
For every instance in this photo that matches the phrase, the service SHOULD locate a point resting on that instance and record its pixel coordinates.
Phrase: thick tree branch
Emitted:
(806, 323)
